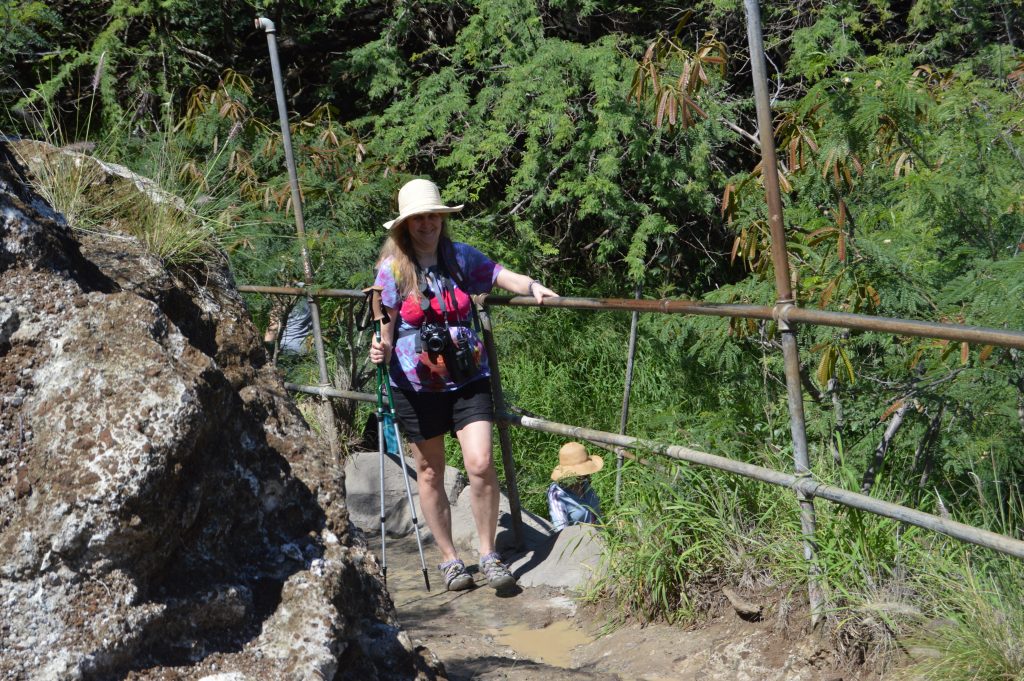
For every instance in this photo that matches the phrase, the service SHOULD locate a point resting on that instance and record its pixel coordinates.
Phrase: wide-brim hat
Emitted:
(574, 460)
(419, 196)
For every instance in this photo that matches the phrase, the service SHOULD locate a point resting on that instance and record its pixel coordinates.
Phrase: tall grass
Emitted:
(976, 627)
(681, 532)
(63, 181)
(972, 623)
(179, 208)
(570, 367)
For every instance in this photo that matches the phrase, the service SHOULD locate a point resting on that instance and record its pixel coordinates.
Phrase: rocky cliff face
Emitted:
(165, 512)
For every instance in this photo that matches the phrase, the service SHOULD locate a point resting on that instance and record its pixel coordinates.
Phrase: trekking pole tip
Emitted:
(426, 579)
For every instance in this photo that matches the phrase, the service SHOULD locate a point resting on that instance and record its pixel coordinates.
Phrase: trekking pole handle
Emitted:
(373, 294)
(377, 312)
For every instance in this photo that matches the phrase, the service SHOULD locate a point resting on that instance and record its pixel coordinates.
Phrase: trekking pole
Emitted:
(380, 448)
(379, 318)
(408, 490)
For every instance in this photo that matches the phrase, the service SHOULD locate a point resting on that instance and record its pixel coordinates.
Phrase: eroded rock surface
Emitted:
(165, 512)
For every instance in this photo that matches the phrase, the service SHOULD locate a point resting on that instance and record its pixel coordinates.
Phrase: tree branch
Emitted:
(741, 132)
(832, 389)
(805, 380)
(876, 463)
(923, 455)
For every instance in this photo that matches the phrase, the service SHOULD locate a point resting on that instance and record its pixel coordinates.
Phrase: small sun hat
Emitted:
(574, 460)
(419, 196)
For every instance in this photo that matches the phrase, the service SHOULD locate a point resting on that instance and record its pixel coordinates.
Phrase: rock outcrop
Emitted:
(165, 512)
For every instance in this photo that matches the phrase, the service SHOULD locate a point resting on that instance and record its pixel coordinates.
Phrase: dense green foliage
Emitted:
(602, 146)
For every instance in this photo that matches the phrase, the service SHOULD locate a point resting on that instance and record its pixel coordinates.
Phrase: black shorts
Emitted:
(425, 415)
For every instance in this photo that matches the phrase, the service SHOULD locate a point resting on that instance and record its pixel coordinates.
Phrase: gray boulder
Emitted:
(165, 511)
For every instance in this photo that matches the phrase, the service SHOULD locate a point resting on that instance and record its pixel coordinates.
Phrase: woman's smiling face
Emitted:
(425, 231)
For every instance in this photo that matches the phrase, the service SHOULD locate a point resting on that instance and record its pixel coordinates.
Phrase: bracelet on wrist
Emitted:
(529, 287)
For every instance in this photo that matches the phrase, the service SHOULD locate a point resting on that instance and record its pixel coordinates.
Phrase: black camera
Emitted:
(459, 360)
(434, 337)
(457, 354)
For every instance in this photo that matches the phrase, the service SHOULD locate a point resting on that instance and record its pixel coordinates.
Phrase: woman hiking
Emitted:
(438, 368)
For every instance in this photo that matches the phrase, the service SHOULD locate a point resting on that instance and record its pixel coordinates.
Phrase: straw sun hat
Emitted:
(419, 196)
(574, 460)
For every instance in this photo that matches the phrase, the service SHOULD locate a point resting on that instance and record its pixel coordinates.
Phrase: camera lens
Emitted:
(435, 343)
(434, 337)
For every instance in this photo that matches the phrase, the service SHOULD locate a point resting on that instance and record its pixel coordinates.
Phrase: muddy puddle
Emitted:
(551, 645)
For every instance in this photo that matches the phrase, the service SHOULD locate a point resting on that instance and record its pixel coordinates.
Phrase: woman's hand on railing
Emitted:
(523, 285)
(539, 291)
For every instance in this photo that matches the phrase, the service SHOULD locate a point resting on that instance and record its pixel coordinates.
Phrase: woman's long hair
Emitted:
(398, 246)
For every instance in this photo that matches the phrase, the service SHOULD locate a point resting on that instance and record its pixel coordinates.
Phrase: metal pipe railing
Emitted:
(300, 225)
(788, 313)
(504, 439)
(293, 181)
(805, 485)
(296, 291)
(627, 388)
(802, 484)
(784, 294)
(330, 392)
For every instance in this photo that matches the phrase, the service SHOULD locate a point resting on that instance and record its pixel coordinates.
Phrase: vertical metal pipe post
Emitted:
(630, 354)
(784, 291)
(505, 440)
(300, 225)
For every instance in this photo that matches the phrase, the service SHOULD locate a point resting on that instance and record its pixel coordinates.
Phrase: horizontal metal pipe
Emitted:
(808, 486)
(789, 313)
(906, 327)
(330, 392)
(367, 397)
(298, 291)
(805, 485)
(664, 305)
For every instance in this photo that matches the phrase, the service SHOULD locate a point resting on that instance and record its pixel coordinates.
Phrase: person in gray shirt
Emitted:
(294, 339)
(297, 329)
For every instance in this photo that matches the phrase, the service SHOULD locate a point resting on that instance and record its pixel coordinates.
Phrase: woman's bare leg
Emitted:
(475, 439)
(437, 512)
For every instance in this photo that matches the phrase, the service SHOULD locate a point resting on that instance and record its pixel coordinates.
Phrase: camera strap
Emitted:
(473, 321)
(437, 284)
(451, 267)
(444, 275)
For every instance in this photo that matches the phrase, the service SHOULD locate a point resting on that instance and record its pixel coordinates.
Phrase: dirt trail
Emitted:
(540, 634)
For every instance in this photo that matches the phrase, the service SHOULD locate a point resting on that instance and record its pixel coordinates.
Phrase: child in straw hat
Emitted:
(573, 500)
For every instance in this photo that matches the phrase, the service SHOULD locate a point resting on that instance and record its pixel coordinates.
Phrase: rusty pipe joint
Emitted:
(780, 313)
(266, 24)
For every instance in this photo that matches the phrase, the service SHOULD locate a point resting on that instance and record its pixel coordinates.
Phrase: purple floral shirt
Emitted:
(413, 367)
